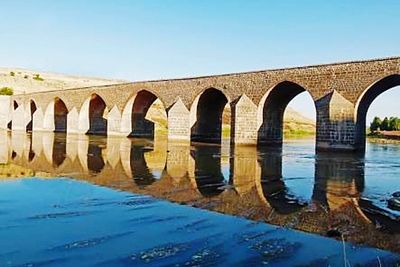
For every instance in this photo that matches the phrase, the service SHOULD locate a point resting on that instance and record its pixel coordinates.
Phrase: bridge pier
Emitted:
(114, 122)
(5, 111)
(245, 122)
(37, 120)
(335, 123)
(83, 122)
(178, 122)
(73, 121)
(48, 118)
(18, 118)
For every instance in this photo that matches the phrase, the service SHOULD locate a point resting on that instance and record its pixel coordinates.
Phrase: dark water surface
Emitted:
(108, 207)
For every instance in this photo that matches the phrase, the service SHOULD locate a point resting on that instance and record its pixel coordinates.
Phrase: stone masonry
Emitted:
(342, 92)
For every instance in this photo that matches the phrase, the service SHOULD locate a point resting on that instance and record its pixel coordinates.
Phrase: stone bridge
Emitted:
(250, 105)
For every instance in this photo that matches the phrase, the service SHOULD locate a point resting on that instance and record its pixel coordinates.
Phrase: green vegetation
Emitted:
(6, 91)
(298, 132)
(387, 124)
(12, 73)
(37, 77)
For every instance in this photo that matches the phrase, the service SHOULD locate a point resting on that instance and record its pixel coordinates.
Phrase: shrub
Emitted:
(25, 76)
(6, 91)
(12, 73)
(37, 77)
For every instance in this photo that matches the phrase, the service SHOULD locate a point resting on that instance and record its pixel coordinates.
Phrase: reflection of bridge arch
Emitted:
(273, 186)
(146, 161)
(95, 160)
(209, 178)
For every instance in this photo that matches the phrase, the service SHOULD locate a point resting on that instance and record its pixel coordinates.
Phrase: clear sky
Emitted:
(152, 39)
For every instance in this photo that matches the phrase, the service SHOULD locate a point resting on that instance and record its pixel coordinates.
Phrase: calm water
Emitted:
(112, 203)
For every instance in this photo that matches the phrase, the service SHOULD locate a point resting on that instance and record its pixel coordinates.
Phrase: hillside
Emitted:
(27, 81)
(296, 123)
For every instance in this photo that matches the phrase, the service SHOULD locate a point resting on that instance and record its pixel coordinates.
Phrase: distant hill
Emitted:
(28, 81)
(297, 123)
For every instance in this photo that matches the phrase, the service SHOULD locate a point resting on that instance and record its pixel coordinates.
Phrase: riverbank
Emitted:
(384, 137)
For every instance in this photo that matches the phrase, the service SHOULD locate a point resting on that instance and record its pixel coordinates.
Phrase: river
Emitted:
(90, 200)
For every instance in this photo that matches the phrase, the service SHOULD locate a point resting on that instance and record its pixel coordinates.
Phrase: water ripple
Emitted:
(90, 242)
(160, 252)
(59, 215)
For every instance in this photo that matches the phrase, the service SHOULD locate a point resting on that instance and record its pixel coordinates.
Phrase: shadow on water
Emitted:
(292, 186)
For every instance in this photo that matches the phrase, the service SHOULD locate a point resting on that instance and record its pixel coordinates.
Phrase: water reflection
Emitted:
(95, 161)
(260, 184)
(208, 173)
(339, 178)
(59, 151)
(273, 185)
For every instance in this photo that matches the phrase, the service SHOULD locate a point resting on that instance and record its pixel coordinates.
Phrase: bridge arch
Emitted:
(31, 110)
(15, 105)
(144, 115)
(272, 108)
(364, 102)
(60, 115)
(93, 116)
(55, 117)
(210, 117)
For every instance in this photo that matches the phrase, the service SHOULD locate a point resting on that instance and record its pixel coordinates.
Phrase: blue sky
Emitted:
(152, 39)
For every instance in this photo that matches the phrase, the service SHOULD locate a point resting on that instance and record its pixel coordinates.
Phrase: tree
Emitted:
(392, 124)
(396, 124)
(385, 124)
(375, 124)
